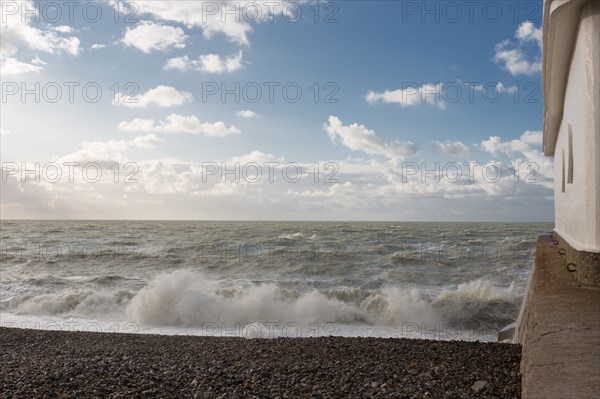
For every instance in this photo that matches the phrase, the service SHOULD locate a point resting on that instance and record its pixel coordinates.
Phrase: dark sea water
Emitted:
(266, 279)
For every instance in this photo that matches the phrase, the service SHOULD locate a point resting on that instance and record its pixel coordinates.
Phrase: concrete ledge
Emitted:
(559, 329)
(585, 265)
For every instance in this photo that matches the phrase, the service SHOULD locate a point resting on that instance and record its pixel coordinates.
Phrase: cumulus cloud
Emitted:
(495, 144)
(147, 141)
(427, 93)
(452, 148)
(527, 148)
(213, 63)
(230, 19)
(527, 32)
(246, 114)
(98, 46)
(367, 189)
(178, 63)
(359, 138)
(255, 156)
(148, 36)
(38, 61)
(63, 29)
(12, 66)
(515, 61)
(112, 150)
(161, 96)
(513, 56)
(206, 15)
(18, 34)
(499, 87)
(175, 123)
(533, 137)
(209, 63)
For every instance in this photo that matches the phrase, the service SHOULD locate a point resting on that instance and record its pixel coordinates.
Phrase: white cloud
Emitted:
(427, 93)
(367, 189)
(453, 148)
(12, 66)
(148, 36)
(63, 29)
(38, 61)
(500, 88)
(513, 57)
(18, 34)
(112, 150)
(206, 15)
(336, 190)
(358, 138)
(179, 63)
(138, 125)
(209, 63)
(161, 96)
(495, 144)
(255, 156)
(213, 63)
(527, 32)
(527, 148)
(232, 19)
(515, 61)
(175, 123)
(147, 141)
(532, 137)
(98, 46)
(217, 129)
(246, 114)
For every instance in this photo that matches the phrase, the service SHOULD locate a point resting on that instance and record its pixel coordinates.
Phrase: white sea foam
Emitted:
(72, 301)
(188, 299)
(297, 236)
(185, 298)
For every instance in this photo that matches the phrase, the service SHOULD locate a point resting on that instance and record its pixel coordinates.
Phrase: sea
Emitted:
(251, 279)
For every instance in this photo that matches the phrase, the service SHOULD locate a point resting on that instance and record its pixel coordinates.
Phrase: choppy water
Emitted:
(264, 279)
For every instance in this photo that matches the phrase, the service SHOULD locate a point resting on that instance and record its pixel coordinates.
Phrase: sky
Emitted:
(273, 110)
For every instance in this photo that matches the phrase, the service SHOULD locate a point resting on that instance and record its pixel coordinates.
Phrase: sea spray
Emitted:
(189, 299)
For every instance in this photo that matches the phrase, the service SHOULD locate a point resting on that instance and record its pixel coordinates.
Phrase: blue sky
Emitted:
(386, 87)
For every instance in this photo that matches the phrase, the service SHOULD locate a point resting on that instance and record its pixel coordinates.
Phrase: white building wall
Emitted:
(577, 202)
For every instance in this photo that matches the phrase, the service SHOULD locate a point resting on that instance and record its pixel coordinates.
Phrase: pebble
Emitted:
(36, 363)
(478, 385)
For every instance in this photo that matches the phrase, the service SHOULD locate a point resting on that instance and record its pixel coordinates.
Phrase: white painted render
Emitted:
(572, 117)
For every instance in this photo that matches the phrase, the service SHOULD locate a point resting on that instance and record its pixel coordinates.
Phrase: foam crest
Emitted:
(188, 299)
(479, 300)
(84, 302)
(185, 298)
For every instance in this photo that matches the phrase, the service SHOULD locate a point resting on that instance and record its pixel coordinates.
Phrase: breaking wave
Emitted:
(188, 299)
(185, 298)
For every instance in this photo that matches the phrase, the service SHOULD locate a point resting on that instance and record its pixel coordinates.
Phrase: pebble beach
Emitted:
(60, 364)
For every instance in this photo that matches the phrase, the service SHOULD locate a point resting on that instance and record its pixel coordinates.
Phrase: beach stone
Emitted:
(478, 385)
(81, 364)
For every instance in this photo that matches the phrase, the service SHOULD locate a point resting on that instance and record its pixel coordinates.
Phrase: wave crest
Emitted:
(188, 299)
